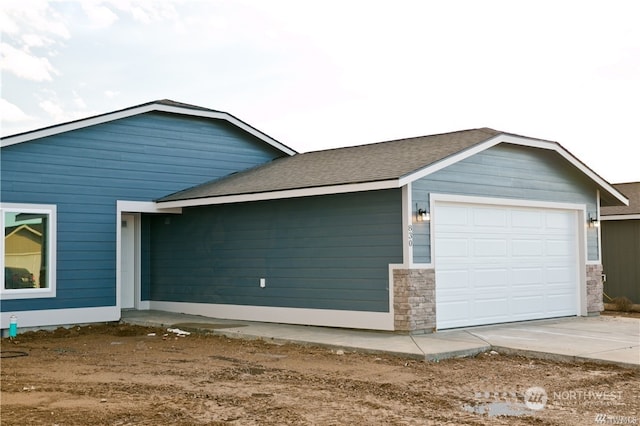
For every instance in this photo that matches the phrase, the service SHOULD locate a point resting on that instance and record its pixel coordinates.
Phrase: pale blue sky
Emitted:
(321, 74)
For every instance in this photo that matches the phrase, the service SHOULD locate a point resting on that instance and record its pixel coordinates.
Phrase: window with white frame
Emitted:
(28, 250)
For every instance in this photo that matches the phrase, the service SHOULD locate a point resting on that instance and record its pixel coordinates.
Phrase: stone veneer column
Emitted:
(595, 304)
(414, 300)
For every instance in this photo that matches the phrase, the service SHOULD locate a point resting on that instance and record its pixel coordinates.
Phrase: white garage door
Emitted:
(499, 263)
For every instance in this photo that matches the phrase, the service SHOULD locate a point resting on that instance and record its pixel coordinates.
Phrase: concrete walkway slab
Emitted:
(450, 344)
(598, 339)
(367, 341)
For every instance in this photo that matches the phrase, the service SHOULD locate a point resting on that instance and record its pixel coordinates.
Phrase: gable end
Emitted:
(160, 106)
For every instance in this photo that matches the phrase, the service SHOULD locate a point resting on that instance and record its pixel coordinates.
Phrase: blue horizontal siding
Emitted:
(83, 172)
(506, 171)
(329, 252)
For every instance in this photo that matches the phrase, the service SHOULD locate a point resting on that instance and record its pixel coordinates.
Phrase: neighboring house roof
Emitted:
(33, 229)
(382, 165)
(164, 105)
(632, 191)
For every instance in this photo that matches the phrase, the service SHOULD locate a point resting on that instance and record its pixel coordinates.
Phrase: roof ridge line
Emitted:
(486, 130)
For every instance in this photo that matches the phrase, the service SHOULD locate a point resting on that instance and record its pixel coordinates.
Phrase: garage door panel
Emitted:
(560, 291)
(456, 313)
(527, 275)
(527, 306)
(487, 247)
(560, 275)
(560, 304)
(493, 279)
(453, 247)
(491, 310)
(556, 247)
(528, 290)
(530, 221)
(527, 247)
(453, 216)
(489, 217)
(559, 221)
(454, 280)
(520, 263)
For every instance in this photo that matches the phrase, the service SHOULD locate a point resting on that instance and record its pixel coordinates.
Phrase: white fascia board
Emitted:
(231, 119)
(446, 162)
(536, 143)
(143, 207)
(620, 217)
(277, 195)
(104, 118)
(516, 140)
(75, 125)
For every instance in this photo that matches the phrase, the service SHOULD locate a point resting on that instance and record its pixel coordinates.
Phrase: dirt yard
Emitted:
(117, 374)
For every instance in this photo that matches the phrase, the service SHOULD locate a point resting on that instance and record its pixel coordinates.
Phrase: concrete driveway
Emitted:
(600, 339)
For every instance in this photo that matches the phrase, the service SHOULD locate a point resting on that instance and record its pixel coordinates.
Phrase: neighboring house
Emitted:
(621, 245)
(184, 209)
(23, 249)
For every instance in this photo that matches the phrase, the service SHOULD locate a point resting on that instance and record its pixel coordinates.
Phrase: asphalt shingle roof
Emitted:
(358, 164)
(632, 191)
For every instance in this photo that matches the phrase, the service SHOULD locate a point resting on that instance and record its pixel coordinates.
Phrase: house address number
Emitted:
(410, 235)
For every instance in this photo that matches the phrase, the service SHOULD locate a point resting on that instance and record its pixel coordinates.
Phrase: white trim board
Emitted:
(302, 316)
(144, 207)
(620, 217)
(598, 229)
(141, 109)
(407, 227)
(471, 199)
(59, 317)
(279, 195)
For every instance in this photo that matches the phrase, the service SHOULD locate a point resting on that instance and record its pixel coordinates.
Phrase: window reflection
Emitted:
(25, 250)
